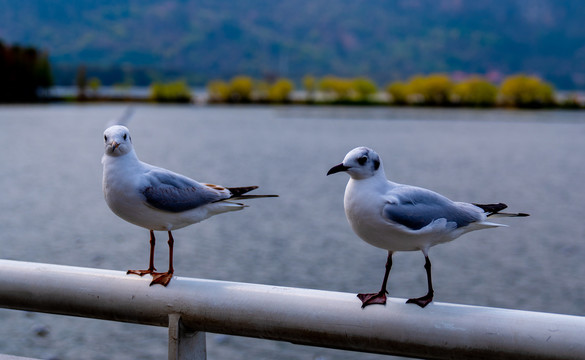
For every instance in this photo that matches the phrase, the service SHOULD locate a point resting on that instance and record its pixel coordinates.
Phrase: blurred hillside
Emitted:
(138, 41)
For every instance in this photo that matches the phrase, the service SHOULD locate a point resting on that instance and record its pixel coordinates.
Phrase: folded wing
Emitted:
(416, 208)
(172, 192)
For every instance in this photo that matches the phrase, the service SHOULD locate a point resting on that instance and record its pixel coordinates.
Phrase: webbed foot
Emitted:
(161, 278)
(373, 298)
(140, 272)
(421, 301)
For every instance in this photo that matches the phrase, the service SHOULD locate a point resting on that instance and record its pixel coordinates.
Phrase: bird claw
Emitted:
(421, 301)
(140, 272)
(161, 278)
(374, 298)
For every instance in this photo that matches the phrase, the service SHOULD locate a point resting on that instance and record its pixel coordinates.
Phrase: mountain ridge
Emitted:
(384, 40)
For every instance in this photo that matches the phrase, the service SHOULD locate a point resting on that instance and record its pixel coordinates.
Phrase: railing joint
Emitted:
(185, 343)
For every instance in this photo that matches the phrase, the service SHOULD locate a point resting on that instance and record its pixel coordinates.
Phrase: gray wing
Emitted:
(416, 208)
(172, 192)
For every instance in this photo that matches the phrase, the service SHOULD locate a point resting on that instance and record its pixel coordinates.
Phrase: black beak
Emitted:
(337, 168)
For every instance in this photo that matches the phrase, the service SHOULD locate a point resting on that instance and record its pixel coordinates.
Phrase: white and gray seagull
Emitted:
(398, 217)
(158, 199)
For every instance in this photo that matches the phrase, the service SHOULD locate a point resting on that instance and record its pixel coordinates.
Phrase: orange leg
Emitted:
(165, 278)
(151, 267)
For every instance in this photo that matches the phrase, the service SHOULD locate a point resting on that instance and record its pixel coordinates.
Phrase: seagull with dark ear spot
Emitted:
(398, 217)
(158, 199)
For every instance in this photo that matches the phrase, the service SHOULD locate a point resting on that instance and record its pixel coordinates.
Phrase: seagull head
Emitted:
(117, 140)
(360, 163)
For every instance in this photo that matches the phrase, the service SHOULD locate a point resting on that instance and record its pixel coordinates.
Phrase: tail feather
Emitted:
(493, 210)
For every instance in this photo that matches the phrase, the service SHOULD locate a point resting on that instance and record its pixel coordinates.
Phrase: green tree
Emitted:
(475, 91)
(24, 73)
(44, 77)
(526, 91)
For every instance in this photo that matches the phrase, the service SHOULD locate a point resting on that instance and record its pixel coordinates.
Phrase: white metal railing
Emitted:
(191, 307)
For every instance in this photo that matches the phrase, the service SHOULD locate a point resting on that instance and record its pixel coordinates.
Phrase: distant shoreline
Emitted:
(201, 96)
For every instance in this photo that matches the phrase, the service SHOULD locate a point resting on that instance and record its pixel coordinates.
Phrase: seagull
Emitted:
(158, 199)
(398, 217)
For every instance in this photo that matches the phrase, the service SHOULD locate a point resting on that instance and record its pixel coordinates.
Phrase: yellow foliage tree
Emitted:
(526, 91)
(398, 92)
(310, 84)
(219, 91)
(475, 91)
(339, 87)
(280, 90)
(363, 88)
(241, 89)
(434, 89)
(176, 91)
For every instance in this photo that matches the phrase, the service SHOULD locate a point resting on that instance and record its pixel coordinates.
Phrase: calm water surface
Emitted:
(52, 210)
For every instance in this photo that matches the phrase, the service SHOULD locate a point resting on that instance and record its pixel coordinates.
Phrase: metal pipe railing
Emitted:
(303, 316)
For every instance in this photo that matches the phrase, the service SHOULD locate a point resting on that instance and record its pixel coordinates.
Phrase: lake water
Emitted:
(52, 210)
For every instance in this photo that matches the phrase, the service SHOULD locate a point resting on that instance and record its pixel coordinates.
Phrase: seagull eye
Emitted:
(106, 138)
(125, 136)
(362, 160)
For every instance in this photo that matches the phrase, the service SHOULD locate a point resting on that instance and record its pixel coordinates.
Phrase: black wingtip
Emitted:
(492, 208)
(244, 197)
(237, 191)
